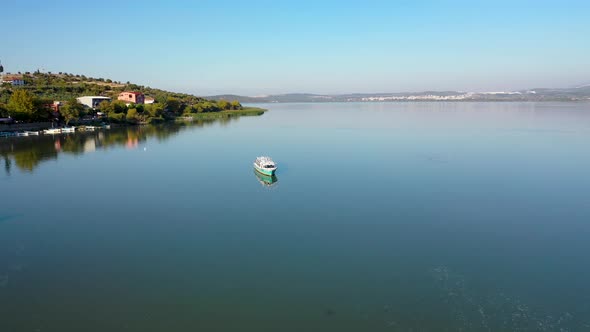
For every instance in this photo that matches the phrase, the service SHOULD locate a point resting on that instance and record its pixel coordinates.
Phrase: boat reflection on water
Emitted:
(266, 180)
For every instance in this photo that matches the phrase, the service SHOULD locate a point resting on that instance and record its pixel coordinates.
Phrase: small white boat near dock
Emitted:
(22, 134)
(68, 130)
(52, 131)
(32, 133)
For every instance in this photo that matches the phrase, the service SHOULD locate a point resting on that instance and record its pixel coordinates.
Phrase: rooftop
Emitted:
(95, 97)
(10, 77)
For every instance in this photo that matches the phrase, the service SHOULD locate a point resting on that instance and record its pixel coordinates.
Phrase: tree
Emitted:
(132, 87)
(21, 105)
(119, 106)
(188, 109)
(71, 110)
(132, 115)
(198, 108)
(3, 111)
(223, 104)
(154, 110)
(173, 105)
(106, 107)
(140, 108)
(235, 105)
(43, 109)
(208, 106)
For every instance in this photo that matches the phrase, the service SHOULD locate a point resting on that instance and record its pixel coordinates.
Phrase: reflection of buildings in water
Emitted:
(28, 152)
(266, 180)
(90, 145)
(132, 143)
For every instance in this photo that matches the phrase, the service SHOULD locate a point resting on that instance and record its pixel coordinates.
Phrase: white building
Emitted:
(15, 80)
(92, 101)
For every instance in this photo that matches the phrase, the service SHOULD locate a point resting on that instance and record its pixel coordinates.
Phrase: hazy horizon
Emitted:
(263, 47)
(376, 92)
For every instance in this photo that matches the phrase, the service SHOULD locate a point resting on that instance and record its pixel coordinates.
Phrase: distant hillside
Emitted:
(581, 93)
(243, 99)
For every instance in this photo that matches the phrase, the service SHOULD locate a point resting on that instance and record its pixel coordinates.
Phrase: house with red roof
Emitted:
(15, 80)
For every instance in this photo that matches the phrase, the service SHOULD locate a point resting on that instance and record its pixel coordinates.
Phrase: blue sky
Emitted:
(261, 47)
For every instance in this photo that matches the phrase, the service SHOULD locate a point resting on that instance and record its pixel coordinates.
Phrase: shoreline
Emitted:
(39, 126)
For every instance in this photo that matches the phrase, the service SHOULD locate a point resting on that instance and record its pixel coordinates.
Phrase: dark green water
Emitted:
(383, 217)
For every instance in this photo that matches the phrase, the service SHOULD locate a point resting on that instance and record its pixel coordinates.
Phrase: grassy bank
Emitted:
(246, 111)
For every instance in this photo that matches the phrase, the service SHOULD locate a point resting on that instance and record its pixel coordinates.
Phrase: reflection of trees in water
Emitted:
(7, 164)
(27, 160)
(28, 152)
(74, 144)
(226, 120)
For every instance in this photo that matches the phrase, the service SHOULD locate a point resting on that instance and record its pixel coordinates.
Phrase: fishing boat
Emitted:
(22, 133)
(265, 165)
(52, 131)
(68, 130)
(32, 133)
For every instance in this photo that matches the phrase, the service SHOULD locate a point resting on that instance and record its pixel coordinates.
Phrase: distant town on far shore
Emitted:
(575, 94)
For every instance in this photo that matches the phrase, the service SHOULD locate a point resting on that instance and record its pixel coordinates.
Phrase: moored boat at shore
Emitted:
(52, 131)
(68, 129)
(265, 165)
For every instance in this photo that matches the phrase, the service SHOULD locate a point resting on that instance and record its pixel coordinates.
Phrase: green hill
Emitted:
(31, 102)
(64, 86)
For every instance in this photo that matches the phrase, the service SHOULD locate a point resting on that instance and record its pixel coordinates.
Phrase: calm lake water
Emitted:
(383, 217)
